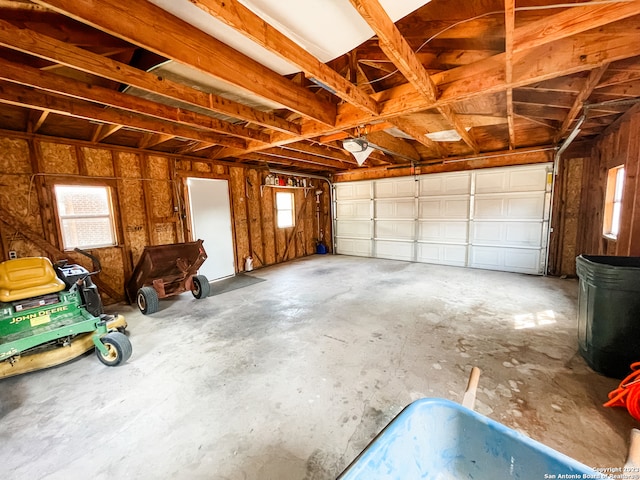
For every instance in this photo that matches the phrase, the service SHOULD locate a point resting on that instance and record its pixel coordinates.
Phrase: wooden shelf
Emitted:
(306, 189)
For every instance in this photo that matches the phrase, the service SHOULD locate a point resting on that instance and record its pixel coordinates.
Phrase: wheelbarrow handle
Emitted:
(469, 398)
(633, 457)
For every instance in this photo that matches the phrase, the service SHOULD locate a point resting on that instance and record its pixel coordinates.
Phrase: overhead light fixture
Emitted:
(354, 145)
(359, 148)
(446, 135)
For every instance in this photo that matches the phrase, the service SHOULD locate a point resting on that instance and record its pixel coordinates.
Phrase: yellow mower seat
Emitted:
(27, 277)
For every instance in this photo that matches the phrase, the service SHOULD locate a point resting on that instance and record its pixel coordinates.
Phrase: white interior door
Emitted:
(211, 221)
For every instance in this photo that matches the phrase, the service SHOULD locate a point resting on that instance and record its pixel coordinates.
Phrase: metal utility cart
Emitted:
(167, 270)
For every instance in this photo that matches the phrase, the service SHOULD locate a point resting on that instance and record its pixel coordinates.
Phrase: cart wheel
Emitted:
(147, 300)
(119, 348)
(201, 287)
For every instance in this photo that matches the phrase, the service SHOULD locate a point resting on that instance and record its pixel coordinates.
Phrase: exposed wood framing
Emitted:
(509, 27)
(240, 18)
(22, 96)
(137, 23)
(33, 77)
(103, 131)
(398, 50)
(589, 85)
(64, 54)
(36, 120)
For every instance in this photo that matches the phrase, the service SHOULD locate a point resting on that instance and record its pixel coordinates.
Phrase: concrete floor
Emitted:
(291, 377)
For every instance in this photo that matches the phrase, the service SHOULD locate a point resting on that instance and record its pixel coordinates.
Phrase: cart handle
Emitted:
(469, 398)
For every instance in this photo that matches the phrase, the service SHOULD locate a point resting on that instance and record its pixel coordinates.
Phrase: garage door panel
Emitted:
(394, 188)
(517, 234)
(354, 209)
(395, 229)
(444, 184)
(351, 246)
(442, 254)
(495, 218)
(506, 259)
(353, 228)
(515, 179)
(355, 190)
(401, 209)
(443, 232)
(394, 250)
(515, 206)
(444, 207)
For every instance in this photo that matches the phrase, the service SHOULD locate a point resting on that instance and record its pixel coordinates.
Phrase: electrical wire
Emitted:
(627, 394)
(518, 9)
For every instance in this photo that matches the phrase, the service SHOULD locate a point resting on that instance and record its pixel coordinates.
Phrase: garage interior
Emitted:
(389, 194)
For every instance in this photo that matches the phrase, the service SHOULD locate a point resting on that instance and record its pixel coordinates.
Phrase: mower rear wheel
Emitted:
(147, 300)
(201, 287)
(119, 348)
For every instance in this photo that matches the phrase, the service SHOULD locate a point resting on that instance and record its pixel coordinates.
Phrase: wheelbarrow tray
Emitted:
(167, 268)
(436, 439)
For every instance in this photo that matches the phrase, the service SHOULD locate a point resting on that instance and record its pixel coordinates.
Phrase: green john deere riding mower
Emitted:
(51, 314)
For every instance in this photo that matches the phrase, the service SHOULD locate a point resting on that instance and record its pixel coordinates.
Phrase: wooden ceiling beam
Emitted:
(570, 22)
(509, 27)
(589, 85)
(53, 50)
(560, 58)
(268, 159)
(304, 157)
(36, 120)
(13, 94)
(394, 146)
(322, 151)
(394, 45)
(243, 20)
(192, 147)
(33, 77)
(618, 77)
(419, 135)
(137, 23)
(150, 140)
(103, 131)
(536, 66)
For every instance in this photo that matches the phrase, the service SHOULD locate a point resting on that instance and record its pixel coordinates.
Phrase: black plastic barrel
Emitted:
(609, 312)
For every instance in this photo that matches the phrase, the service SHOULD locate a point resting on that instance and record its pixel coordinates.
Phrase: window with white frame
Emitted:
(86, 216)
(613, 202)
(285, 209)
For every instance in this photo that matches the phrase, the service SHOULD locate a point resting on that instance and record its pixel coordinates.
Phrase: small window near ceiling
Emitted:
(613, 202)
(284, 207)
(86, 216)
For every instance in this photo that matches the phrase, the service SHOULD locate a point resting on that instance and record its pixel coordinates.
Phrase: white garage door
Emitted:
(494, 218)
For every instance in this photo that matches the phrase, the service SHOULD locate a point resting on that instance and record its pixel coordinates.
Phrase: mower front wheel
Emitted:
(147, 300)
(201, 287)
(119, 349)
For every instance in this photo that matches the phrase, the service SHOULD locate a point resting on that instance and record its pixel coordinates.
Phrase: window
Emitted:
(86, 216)
(613, 202)
(284, 206)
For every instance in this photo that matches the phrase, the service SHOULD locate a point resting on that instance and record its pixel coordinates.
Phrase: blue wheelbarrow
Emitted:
(436, 439)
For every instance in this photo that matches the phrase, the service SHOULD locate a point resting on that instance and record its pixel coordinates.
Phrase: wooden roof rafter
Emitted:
(53, 50)
(136, 23)
(243, 20)
(13, 94)
(509, 27)
(589, 85)
(33, 77)
(399, 51)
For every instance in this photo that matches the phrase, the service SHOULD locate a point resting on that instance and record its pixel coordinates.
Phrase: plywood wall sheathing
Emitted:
(147, 191)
